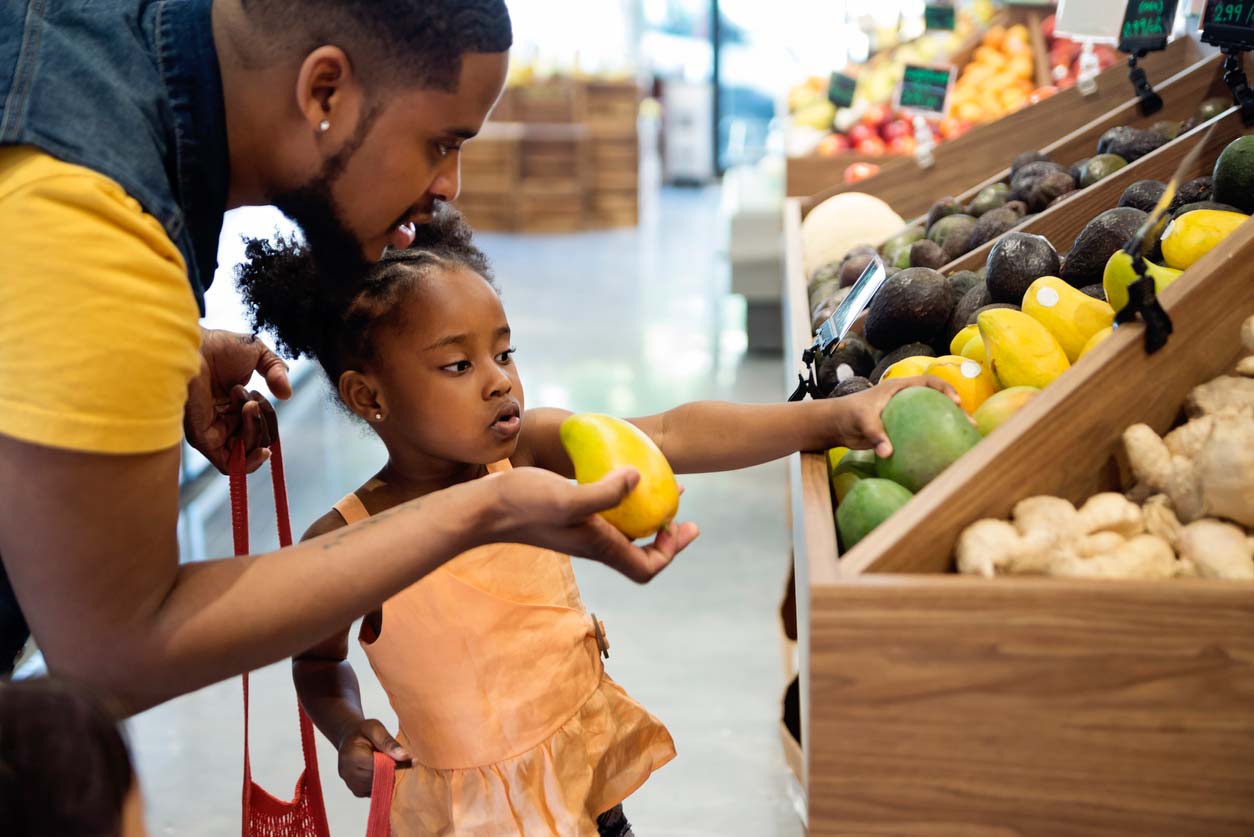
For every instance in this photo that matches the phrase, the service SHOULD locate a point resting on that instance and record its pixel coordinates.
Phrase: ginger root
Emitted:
(1224, 394)
(1111, 512)
(1217, 550)
(1161, 520)
(1144, 556)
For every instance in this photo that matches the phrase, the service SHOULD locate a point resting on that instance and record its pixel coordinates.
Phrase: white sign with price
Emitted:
(1097, 21)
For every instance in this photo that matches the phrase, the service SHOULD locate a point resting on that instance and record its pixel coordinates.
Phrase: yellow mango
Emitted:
(1193, 234)
(974, 349)
(1095, 339)
(834, 455)
(1119, 274)
(598, 444)
(1071, 316)
(907, 367)
(1021, 351)
(998, 409)
(973, 383)
(961, 339)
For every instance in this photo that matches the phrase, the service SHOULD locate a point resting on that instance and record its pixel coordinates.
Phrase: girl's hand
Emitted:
(858, 422)
(357, 755)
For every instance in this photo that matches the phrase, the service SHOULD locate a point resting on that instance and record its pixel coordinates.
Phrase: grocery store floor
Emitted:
(626, 322)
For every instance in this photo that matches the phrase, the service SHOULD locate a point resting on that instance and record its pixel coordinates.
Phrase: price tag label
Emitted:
(1146, 25)
(925, 89)
(1085, 20)
(938, 17)
(840, 89)
(1227, 24)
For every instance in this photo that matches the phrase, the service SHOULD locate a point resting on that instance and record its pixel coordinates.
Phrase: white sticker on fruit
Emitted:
(844, 372)
(1167, 232)
(1047, 297)
(971, 369)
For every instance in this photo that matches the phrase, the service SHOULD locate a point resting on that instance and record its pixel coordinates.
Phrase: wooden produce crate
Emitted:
(970, 158)
(611, 103)
(491, 172)
(556, 100)
(614, 176)
(938, 704)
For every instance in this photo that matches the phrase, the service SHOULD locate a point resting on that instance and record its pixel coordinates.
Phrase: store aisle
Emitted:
(625, 322)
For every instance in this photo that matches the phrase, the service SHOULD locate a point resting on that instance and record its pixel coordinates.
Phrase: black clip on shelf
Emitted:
(1151, 102)
(1234, 77)
(1143, 302)
(807, 385)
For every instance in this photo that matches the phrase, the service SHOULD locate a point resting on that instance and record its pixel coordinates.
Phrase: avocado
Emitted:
(1211, 108)
(1015, 262)
(990, 197)
(1064, 196)
(854, 263)
(1095, 291)
(1100, 167)
(822, 275)
(942, 208)
(851, 352)
(849, 386)
(903, 257)
(1234, 174)
(975, 316)
(1130, 143)
(1167, 129)
(1077, 169)
(823, 292)
(973, 300)
(900, 353)
(1193, 191)
(1019, 208)
(1143, 195)
(912, 306)
(1027, 177)
(905, 238)
(1086, 262)
(949, 226)
(963, 281)
(927, 254)
(1026, 159)
(991, 225)
(819, 313)
(1189, 207)
(1042, 192)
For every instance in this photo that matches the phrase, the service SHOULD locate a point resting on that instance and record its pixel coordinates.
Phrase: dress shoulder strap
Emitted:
(352, 509)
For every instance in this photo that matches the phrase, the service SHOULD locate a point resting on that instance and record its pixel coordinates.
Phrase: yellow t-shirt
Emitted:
(99, 331)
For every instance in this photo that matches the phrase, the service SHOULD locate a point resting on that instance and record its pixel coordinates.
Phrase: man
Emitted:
(127, 127)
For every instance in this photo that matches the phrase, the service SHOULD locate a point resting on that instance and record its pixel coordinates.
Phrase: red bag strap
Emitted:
(380, 822)
(239, 525)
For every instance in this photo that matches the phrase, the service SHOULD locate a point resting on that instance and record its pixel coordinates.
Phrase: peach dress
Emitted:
(494, 670)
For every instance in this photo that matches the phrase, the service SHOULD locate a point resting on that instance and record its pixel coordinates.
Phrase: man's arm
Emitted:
(89, 543)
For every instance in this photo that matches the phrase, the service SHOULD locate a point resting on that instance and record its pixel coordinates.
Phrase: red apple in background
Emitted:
(896, 128)
(832, 144)
(1041, 93)
(876, 115)
(860, 171)
(872, 147)
(860, 133)
(905, 146)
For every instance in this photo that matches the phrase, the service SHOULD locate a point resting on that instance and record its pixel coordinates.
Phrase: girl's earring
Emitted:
(324, 125)
(378, 416)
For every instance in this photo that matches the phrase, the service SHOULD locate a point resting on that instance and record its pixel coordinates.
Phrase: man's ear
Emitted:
(328, 92)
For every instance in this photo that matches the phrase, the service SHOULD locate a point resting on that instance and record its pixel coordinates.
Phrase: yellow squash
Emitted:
(973, 383)
(598, 444)
(1095, 339)
(1193, 234)
(1021, 351)
(1071, 316)
(907, 367)
(1119, 274)
(962, 338)
(974, 348)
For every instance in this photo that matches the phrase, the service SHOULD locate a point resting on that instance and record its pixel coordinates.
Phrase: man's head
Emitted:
(368, 101)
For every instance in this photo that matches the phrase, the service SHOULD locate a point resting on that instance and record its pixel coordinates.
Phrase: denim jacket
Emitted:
(131, 89)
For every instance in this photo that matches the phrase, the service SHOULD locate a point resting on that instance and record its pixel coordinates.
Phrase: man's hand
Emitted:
(858, 422)
(357, 755)
(540, 508)
(219, 408)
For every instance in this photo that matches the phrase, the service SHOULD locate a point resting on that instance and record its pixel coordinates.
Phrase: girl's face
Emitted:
(447, 374)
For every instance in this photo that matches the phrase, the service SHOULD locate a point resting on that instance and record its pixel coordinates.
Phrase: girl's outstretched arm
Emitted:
(705, 436)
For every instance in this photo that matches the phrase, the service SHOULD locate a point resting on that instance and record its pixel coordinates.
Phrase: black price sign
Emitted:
(840, 89)
(1229, 24)
(937, 18)
(1146, 25)
(924, 88)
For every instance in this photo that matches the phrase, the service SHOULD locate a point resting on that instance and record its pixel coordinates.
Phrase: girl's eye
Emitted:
(506, 356)
(458, 367)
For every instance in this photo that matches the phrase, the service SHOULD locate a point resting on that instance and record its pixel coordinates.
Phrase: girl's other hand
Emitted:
(357, 755)
(858, 422)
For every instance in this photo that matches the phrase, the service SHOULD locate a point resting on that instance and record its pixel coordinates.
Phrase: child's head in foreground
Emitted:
(420, 349)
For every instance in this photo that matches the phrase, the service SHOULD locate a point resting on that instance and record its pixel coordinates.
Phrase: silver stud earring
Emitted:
(324, 125)
(378, 416)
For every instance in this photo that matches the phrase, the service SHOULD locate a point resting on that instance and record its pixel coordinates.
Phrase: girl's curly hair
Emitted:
(281, 288)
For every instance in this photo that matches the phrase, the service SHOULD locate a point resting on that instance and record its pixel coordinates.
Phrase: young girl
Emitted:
(508, 720)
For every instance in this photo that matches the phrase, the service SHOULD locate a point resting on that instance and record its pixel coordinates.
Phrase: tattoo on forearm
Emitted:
(340, 536)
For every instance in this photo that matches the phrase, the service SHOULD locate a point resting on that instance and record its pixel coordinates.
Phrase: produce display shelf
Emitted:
(939, 704)
(968, 159)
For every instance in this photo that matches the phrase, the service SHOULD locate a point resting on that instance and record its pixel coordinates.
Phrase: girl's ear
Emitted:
(363, 397)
